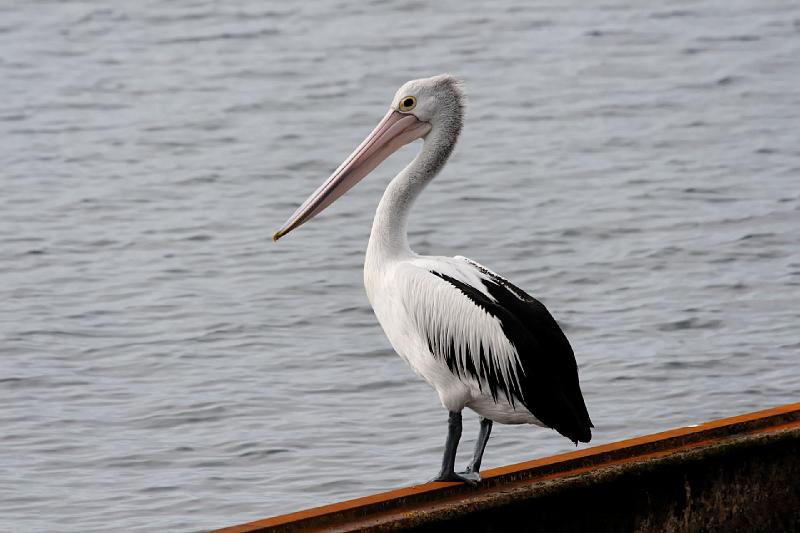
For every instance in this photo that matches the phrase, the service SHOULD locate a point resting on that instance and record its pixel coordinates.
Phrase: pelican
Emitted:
(477, 339)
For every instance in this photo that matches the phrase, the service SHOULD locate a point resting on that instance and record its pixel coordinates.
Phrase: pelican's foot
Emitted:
(470, 478)
(469, 474)
(471, 470)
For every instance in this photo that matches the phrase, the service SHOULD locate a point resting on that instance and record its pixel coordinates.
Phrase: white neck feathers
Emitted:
(389, 237)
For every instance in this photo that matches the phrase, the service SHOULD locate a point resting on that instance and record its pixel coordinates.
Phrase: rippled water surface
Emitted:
(164, 366)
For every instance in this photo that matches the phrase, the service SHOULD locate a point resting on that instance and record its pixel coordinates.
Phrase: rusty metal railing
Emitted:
(439, 502)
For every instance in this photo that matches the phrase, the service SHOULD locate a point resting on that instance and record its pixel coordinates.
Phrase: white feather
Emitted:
(413, 305)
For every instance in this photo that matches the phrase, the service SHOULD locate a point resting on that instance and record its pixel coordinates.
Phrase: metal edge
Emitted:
(564, 464)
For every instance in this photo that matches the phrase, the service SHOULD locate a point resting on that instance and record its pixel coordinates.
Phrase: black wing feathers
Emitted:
(548, 376)
(486, 375)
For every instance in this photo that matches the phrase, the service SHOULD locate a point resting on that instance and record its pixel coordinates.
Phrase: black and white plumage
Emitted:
(479, 340)
(541, 363)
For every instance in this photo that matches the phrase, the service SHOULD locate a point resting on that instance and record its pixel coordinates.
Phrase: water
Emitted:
(164, 366)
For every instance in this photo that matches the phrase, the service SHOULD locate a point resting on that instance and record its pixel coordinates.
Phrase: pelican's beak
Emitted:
(394, 131)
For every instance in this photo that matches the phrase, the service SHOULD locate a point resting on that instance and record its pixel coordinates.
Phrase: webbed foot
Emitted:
(471, 470)
(470, 478)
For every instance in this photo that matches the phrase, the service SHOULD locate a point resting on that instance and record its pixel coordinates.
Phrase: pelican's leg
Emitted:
(483, 437)
(448, 473)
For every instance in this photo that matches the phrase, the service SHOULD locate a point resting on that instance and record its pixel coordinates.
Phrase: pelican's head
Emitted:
(436, 100)
(419, 107)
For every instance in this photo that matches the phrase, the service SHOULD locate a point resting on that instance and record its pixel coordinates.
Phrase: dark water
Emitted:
(164, 366)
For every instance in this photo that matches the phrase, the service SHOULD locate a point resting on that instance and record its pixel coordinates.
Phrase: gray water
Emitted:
(164, 366)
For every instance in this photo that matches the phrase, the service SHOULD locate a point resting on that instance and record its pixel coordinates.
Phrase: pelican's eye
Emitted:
(407, 104)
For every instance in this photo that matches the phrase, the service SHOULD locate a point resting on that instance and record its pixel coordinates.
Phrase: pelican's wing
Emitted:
(485, 328)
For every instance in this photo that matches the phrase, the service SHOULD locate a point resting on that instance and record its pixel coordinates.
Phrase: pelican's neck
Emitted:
(389, 236)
